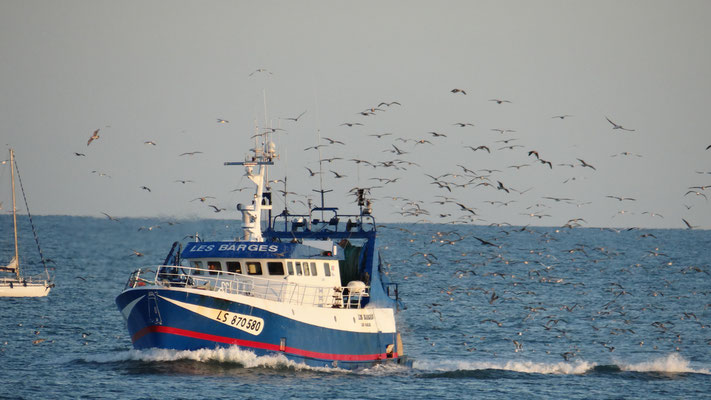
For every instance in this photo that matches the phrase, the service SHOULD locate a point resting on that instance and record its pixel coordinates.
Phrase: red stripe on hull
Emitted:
(258, 345)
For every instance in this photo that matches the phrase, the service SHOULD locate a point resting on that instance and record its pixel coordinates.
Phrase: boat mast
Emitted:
(14, 213)
(252, 214)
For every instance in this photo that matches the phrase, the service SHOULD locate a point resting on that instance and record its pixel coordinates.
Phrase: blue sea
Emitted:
(522, 313)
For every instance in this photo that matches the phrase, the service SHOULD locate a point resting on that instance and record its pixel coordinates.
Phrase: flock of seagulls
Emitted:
(465, 188)
(405, 163)
(529, 288)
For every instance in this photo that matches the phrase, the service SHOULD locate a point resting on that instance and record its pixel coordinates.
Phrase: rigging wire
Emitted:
(34, 231)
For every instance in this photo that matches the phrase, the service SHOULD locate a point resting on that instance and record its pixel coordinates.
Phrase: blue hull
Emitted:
(156, 322)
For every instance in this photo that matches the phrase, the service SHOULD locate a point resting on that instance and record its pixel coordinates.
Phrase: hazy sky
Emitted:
(165, 71)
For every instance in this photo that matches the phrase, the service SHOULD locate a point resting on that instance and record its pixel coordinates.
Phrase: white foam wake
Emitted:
(672, 363)
(563, 368)
(234, 354)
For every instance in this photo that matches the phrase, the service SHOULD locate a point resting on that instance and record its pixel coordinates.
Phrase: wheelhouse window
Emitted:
(313, 269)
(254, 268)
(214, 266)
(326, 269)
(198, 266)
(298, 268)
(234, 266)
(290, 267)
(307, 272)
(275, 268)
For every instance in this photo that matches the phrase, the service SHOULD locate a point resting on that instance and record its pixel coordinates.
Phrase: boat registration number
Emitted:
(250, 324)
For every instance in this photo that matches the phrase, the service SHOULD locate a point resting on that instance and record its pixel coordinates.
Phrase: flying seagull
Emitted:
(617, 126)
(584, 164)
(296, 119)
(260, 70)
(110, 217)
(93, 137)
(455, 90)
(688, 224)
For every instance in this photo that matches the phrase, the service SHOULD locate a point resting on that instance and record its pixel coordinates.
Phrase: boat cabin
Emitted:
(293, 262)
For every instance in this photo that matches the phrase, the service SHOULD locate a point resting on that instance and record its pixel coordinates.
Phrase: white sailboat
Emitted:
(12, 282)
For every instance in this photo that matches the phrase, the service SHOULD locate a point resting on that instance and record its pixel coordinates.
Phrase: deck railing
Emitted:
(233, 283)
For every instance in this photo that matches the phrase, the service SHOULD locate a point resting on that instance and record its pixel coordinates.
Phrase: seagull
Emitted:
(146, 188)
(202, 199)
(463, 124)
(337, 174)
(331, 141)
(397, 151)
(499, 101)
(482, 147)
(351, 124)
(485, 242)
(388, 104)
(222, 121)
(137, 253)
(150, 142)
(621, 198)
(314, 147)
(110, 217)
(379, 135)
(688, 225)
(435, 134)
(296, 119)
(261, 70)
(79, 154)
(217, 209)
(502, 131)
(182, 181)
(93, 137)
(708, 147)
(561, 116)
(584, 164)
(696, 193)
(191, 153)
(312, 173)
(616, 126)
(100, 173)
(625, 153)
(455, 90)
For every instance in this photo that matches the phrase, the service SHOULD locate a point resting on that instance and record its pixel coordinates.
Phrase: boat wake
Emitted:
(671, 364)
(220, 358)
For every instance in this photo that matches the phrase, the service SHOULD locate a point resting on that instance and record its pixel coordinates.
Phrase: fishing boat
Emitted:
(308, 286)
(12, 282)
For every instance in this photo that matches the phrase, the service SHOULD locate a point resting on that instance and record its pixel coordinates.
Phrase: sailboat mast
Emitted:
(14, 212)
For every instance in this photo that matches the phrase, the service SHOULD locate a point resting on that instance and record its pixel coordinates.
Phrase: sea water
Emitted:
(536, 313)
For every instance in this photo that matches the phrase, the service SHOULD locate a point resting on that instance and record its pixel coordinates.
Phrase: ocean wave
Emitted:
(669, 364)
(672, 363)
(529, 367)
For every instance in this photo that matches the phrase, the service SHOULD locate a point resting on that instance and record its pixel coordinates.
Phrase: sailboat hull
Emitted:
(27, 289)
